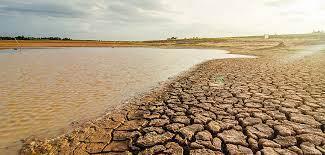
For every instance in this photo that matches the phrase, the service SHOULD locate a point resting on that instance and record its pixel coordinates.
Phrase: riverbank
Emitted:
(235, 44)
(261, 105)
(40, 96)
(9, 44)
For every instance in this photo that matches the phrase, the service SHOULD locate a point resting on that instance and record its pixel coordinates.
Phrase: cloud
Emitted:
(96, 17)
(294, 12)
(136, 12)
(157, 19)
(277, 3)
(41, 8)
(117, 11)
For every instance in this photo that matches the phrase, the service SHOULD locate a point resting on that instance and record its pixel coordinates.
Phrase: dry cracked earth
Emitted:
(274, 104)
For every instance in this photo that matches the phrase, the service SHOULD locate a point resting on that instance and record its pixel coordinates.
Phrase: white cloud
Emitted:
(156, 19)
(277, 3)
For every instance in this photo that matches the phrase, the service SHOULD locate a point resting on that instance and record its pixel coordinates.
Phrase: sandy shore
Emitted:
(270, 105)
(7, 44)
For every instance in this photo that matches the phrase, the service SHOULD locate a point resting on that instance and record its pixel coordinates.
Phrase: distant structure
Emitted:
(266, 36)
(318, 32)
(18, 45)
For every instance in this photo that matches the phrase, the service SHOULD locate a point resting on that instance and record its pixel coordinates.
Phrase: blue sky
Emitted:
(159, 19)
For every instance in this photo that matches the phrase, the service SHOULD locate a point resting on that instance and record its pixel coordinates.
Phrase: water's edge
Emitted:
(159, 87)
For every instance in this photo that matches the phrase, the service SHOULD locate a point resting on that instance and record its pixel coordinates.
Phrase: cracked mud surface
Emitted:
(230, 106)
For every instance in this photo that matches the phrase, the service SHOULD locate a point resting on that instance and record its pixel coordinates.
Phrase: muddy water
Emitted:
(43, 90)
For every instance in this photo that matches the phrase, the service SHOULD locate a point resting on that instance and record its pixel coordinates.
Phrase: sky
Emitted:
(159, 19)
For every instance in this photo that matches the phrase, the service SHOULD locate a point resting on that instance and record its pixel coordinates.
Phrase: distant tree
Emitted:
(172, 38)
(21, 38)
(32, 38)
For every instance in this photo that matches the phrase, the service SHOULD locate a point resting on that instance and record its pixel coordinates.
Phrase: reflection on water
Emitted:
(43, 90)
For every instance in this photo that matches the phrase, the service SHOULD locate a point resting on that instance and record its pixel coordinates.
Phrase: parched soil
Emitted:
(266, 105)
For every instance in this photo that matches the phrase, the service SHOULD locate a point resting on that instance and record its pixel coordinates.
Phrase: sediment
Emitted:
(266, 105)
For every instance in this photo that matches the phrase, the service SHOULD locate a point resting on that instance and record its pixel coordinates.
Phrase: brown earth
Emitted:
(274, 104)
(233, 43)
(7, 44)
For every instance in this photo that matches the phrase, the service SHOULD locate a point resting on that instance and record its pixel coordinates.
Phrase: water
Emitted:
(43, 90)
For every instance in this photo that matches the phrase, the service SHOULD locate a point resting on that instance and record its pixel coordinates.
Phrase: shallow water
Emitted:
(43, 90)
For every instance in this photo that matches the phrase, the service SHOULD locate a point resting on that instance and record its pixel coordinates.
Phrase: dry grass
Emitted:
(47, 43)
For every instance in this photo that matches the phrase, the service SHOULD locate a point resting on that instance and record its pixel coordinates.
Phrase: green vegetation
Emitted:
(32, 38)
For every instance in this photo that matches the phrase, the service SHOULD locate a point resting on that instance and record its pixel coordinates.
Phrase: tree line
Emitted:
(32, 38)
